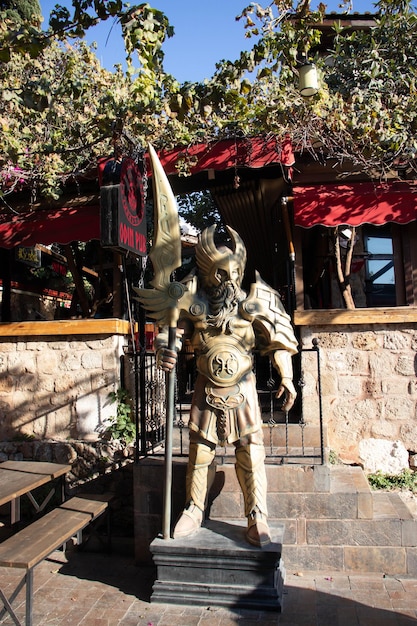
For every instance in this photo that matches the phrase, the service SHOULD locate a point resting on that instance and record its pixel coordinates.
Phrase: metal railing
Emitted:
(288, 438)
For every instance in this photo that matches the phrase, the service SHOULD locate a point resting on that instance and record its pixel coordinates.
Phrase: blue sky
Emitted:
(205, 32)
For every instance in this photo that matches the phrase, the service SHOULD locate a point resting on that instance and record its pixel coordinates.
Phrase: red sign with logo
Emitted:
(131, 210)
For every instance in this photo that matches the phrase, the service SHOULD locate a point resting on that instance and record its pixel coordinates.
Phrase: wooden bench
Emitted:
(31, 545)
(95, 505)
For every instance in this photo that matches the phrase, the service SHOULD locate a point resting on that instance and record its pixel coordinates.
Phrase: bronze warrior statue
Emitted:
(224, 325)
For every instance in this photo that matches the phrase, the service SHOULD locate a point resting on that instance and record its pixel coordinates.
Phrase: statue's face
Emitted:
(219, 266)
(228, 272)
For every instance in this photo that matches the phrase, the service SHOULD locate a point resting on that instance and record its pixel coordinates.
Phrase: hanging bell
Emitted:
(307, 80)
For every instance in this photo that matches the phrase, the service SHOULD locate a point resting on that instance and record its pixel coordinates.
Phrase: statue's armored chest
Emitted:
(225, 357)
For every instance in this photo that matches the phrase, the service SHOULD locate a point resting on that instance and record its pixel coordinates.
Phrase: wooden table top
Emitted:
(14, 484)
(20, 477)
(53, 470)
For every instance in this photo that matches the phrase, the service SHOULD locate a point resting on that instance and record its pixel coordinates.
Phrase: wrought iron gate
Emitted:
(288, 439)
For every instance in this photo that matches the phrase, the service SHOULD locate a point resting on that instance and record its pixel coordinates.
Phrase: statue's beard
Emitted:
(223, 301)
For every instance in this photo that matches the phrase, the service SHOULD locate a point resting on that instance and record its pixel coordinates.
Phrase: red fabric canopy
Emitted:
(53, 226)
(355, 204)
(221, 155)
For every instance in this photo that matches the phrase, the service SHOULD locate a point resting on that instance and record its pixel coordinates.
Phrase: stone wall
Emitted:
(368, 384)
(57, 386)
(89, 460)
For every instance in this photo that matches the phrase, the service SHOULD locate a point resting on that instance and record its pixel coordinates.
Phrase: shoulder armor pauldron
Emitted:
(263, 307)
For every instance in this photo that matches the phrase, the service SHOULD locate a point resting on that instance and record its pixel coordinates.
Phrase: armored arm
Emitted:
(166, 359)
(282, 361)
(275, 334)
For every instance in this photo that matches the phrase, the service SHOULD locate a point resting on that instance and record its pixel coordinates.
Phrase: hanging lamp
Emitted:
(308, 83)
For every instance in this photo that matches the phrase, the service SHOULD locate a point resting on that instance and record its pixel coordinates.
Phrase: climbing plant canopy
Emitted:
(59, 108)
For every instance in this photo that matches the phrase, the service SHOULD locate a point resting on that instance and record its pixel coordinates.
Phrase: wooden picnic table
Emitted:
(18, 478)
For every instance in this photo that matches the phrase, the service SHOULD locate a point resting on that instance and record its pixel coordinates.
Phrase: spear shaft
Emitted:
(161, 302)
(169, 426)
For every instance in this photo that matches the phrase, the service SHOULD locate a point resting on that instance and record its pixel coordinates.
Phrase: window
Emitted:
(379, 266)
(381, 263)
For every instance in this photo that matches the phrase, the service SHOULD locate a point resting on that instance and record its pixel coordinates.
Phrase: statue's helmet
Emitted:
(219, 264)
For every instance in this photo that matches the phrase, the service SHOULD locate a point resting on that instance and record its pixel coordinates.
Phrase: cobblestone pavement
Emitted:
(93, 589)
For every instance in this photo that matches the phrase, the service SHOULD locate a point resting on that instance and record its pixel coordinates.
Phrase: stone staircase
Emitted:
(332, 520)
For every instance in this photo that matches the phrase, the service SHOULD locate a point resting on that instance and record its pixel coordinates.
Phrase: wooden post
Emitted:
(78, 281)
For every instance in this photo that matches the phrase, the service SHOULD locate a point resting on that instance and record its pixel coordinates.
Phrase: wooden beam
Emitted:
(117, 284)
(299, 281)
(399, 264)
(63, 259)
(341, 317)
(111, 326)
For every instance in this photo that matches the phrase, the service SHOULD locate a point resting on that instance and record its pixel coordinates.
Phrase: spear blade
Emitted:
(161, 301)
(166, 250)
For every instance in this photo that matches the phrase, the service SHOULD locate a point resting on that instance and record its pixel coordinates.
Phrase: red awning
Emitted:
(221, 155)
(53, 226)
(251, 152)
(355, 204)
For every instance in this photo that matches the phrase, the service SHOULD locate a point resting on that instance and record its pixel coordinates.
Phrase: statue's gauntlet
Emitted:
(282, 361)
(165, 358)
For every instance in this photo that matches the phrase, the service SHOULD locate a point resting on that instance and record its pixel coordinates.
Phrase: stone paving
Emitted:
(95, 589)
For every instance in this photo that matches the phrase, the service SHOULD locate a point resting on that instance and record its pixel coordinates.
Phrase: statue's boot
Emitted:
(250, 471)
(200, 475)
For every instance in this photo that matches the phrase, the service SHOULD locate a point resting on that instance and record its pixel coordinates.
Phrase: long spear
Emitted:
(161, 302)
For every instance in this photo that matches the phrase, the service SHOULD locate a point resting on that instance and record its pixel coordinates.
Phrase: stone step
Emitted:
(332, 519)
(389, 560)
(288, 478)
(398, 527)
(298, 492)
(386, 543)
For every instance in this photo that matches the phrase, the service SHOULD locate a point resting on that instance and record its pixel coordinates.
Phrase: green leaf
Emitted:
(5, 54)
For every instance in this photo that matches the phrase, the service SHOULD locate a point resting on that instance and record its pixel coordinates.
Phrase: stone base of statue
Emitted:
(217, 567)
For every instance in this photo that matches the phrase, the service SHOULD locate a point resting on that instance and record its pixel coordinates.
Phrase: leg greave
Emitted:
(250, 471)
(200, 473)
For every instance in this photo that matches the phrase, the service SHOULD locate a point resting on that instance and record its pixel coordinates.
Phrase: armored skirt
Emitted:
(223, 415)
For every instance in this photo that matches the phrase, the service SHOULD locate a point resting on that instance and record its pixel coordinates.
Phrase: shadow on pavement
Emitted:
(316, 600)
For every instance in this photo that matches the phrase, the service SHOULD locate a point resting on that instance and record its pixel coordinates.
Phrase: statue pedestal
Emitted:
(216, 566)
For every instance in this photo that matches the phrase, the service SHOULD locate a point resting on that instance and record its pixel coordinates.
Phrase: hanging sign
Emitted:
(28, 256)
(131, 222)
(122, 208)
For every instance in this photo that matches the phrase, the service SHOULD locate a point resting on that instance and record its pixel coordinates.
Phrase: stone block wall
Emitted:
(57, 386)
(368, 384)
(148, 481)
